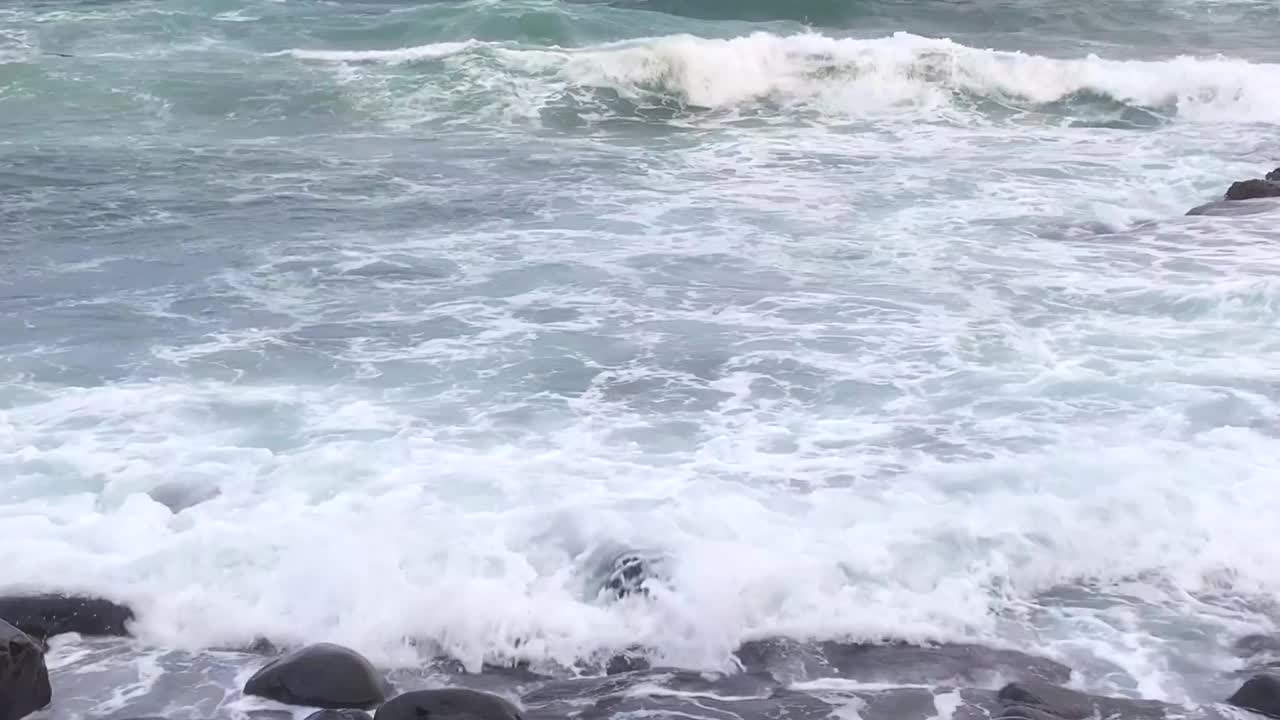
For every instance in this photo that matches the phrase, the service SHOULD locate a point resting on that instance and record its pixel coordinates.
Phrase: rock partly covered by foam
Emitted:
(453, 703)
(323, 675)
(1256, 189)
(24, 679)
(43, 616)
(1260, 693)
(1253, 189)
(1036, 699)
(344, 714)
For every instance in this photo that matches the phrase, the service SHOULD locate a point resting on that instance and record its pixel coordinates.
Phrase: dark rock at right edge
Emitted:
(322, 675)
(24, 679)
(1260, 693)
(1274, 175)
(447, 704)
(1253, 189)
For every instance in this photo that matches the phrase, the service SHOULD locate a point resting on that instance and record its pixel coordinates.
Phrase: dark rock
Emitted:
(627, 576)
(1032, 698)
(625, 663)
(269, 715)
(323, 675)
(897, 663)
(178, 497)
(1260, 693)
(1237, 208)
(1252, 645)
(1274, 175)
(24, 679)
(347, 714)
(1064, 703)
(447, 704)
(1252, 189)
(43, 616)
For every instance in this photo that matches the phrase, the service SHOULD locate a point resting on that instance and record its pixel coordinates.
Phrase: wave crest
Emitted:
(901, 72)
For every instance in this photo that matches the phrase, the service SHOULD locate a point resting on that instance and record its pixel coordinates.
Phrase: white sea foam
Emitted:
(847, 76)
(894, 382)
(394, 57)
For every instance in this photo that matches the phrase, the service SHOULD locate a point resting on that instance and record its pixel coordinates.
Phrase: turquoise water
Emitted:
(365, 321)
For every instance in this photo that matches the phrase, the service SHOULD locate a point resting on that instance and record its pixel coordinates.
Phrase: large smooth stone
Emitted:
(24, 679)
(323, 675)
(1260, 693)
(447, 704)
(43, 616)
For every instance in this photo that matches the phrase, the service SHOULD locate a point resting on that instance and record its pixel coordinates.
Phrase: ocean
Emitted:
(396, 324)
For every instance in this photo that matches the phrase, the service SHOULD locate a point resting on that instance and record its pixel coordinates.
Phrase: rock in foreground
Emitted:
(1035, 699)
(43, 616)
(346, 714)
(323, 675)
(1253, 189)
(449, 704)
(1260, 693)
(24, 679)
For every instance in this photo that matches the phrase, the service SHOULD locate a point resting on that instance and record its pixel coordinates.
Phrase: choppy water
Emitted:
(868, 318)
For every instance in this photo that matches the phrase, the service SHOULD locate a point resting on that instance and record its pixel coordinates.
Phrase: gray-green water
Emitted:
(365, 320)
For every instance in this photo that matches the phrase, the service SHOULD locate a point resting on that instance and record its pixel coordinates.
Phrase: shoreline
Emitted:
(107, 675)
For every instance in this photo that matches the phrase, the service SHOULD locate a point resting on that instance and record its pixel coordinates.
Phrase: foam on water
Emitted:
(412, 387)
(853, 76)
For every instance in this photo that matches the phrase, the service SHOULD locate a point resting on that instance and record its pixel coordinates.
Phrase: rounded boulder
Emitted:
(323, 675)
(1260, 693)
(24, 678)
(447, 704)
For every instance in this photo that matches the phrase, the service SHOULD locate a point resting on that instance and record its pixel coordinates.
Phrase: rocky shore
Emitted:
(775, 678)
(1245, 197)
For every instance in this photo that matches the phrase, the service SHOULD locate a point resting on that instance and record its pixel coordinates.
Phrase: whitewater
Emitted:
(396, 324)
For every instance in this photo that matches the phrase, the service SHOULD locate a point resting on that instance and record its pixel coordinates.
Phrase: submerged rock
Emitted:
(179, 496)
(43, 616)
(1237, 208)
(896, 663)
(323, 675)
(24, 679)
(346, 714)
(1260, 693)
(450, 704)
(1257, 644)
(1253, 189)
(627, 576)
(1032, 699)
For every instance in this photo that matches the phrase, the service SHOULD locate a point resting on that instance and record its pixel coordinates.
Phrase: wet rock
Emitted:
(323, 675)
(1237, 208)
(1032, 698)
(178, 496)
(24, 679)
(1059, 701)
(625, 663)
(627, 576)
(782, 704)
(1258, 644)
(447, 704)
(1260, 693)
(897, 663)
(347, 714)
(1253, 189)
(43, 616)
